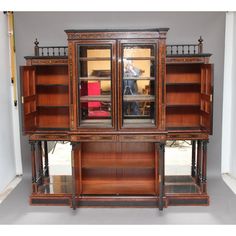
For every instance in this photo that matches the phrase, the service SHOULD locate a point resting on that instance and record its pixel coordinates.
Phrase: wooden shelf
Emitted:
(139, 58)
(183, 83)
(49, 85)
(183, 105)
(137, 98)
(100, 98)
(138, 78)
(118, 160)
(95, 59)
(53, 106)
(118, 186)
(94, 78)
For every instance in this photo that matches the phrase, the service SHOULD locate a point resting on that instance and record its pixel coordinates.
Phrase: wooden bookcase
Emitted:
(119, 97)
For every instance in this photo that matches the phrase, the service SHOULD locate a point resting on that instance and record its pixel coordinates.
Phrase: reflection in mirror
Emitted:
(60, 170)
(178, 167)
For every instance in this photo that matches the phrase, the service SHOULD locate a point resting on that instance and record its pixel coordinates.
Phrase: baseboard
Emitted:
(9, 188)
(230, 181)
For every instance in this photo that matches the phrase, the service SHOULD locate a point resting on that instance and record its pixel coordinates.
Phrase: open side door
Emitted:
(206, 108)
(28, 98)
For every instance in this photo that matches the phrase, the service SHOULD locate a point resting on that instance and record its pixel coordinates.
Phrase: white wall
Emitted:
(229, 98)
(7, 144)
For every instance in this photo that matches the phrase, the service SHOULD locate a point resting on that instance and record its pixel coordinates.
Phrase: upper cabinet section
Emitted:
(115, 78)
(118, 82)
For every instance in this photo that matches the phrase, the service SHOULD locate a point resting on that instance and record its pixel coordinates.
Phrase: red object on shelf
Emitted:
(94, 108)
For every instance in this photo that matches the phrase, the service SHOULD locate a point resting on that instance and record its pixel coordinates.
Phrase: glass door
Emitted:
(138, 72)
(96, 71)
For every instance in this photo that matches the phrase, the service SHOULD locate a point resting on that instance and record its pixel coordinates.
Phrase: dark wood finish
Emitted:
(161, 178)
(118, 163)
(199, 161)
(46, 159)
(193, 168)
(33, 167)
(204, 167)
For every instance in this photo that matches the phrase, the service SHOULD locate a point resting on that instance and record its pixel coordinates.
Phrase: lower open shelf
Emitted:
(174, 185)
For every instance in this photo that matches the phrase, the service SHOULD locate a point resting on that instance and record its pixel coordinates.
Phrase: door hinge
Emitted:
(22, 100)
(211, 98)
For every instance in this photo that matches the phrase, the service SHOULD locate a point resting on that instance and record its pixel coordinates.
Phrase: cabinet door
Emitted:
(138, 87)
(206, 107)
(96, 72)
(28, 95)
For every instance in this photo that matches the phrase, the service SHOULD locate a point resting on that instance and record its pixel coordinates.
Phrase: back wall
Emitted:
(185, 27)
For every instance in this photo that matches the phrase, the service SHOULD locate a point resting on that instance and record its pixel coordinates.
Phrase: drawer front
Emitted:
(50, 137)
(199, 136)
(93, 138)
(141, 138)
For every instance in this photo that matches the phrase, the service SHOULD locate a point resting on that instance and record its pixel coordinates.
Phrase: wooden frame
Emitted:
(116, 165)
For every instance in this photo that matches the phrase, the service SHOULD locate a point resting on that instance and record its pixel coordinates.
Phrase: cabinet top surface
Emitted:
(115, 30)
(74, 34)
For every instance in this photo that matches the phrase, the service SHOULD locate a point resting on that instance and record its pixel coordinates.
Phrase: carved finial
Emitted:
(36, 42)
(36, 47)
(200, 45)
(200, 40)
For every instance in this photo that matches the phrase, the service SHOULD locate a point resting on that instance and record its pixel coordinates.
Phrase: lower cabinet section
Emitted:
(119, 174)
(116, 168)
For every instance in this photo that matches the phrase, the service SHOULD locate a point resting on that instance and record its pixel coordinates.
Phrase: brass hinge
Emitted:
(22, 99)
(211, 98)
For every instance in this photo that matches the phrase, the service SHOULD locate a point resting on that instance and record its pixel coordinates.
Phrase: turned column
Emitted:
(33, 166)
(204, 167)
(46, 159)
(193, 168)
(199, 162)
(40, 162)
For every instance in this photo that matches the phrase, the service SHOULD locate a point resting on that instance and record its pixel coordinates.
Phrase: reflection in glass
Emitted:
(138, 84)
(95, 84)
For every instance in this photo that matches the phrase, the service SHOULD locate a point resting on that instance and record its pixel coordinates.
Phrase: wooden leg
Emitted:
(204, 167)
(161, 175)
(40, 162)
(199, 161)
(46, 159)
(193, 169)
(33, 165)
(76, 172)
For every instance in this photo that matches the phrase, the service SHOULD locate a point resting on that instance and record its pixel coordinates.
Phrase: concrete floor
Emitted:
(222, 210)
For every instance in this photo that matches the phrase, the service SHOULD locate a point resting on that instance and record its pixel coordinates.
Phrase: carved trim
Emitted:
(189, 136)
(114, 35)
(49, 61)
(174, 60)
(96, 138)
(49, 137)
(141, 138)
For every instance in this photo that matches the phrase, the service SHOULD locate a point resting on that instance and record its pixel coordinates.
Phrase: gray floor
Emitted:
(222, 210)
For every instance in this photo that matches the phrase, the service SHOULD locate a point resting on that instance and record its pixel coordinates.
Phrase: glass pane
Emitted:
(95, 85)
(138, 85)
